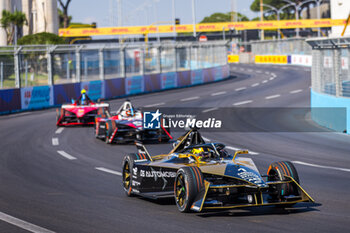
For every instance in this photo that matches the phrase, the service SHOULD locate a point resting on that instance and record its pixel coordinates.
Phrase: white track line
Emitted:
(232, 148)
(240, 88)
(55, 142)
(272, 78)
(108, 171)
(154, 105)
(23, 224)
(191, 98)
(321, 166)
(243, 102)
(258, 71)
(66, 155)
(209, 110)
(296, 91)
(59, 130)
(218, 93)
(265, 81)
(206, 139)
(267, 72)
(255, 84)
(272, 97)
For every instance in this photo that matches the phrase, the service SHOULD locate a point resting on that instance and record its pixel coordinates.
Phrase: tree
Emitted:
(65, 12)
(223, 17)
(61, 18)
(288, 13)
(12, 21)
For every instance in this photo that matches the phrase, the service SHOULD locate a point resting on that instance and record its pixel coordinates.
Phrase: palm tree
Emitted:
(13, 23)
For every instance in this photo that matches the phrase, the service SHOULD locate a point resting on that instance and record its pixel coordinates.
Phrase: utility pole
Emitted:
(262, 37)
(120, 21)
(194, 18)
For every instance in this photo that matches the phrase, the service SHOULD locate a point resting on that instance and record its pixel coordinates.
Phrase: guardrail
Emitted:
(34, 77)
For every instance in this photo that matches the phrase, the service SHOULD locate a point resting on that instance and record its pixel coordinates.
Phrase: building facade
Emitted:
(42, 16)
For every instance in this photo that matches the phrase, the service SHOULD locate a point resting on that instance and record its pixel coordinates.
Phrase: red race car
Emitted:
(80, 112)
(126, 125)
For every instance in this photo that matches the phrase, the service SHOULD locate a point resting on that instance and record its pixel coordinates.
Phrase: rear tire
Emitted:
(277, 172)
(128, 164)
(188, 183)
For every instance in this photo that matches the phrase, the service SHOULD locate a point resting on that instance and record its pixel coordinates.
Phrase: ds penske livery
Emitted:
(203, 176)
(126, 125)
(81, 112)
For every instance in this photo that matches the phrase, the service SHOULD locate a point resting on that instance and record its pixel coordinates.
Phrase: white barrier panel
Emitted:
(302, 60)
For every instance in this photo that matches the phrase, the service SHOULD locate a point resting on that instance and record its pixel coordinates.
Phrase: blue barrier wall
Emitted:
(330, 111)
(28, 98)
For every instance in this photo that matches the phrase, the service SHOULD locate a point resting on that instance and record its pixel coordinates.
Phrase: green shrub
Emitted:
(41, 38)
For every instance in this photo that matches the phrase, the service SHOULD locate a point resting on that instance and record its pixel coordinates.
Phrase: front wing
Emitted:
(258, 196)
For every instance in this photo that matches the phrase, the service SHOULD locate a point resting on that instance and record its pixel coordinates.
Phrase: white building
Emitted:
(340, 9)
(42, 16)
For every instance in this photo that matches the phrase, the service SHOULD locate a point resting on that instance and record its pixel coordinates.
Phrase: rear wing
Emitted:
(99, 105)
(143, 151)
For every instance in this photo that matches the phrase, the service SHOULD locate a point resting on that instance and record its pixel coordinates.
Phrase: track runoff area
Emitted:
(65, 180)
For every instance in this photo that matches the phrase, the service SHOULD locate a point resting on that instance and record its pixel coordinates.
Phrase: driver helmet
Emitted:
(197, 151)
(128, 112)
(83, 97)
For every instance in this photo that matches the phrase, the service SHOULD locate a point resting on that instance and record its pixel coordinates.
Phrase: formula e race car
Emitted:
(203, 176)
(126, 125)
(80, 112)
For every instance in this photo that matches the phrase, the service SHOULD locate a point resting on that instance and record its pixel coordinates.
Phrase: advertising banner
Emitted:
(94, 89)
(233, 58)
(168, 80)
(64, 93)
(302, 60)
(134, 85)
(36, 97)
(271, 59)
(196, 77)
(203, 27)
(152, 82)
(10, 100)
(114, 87)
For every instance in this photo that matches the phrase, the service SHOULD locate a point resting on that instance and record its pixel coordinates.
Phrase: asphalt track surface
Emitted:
(65, 180)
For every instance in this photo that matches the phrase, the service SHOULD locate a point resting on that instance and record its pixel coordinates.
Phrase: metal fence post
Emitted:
(159, 63)
(320, 72)
(190, 56)
(122, 62)
(77, 65)
(142, 61)
(26, 72)
(17, 68)
(337, 72)
(101, 64)
(2, 74)
(49, 66)
(175, 58)
(348, 64)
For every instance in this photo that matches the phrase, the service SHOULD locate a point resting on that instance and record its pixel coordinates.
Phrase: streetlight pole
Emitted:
(173, 19)
(262, 37)
(194, 18)
(278, 11)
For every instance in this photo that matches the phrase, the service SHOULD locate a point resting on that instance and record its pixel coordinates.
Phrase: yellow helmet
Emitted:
(83, 91)
(197, 150)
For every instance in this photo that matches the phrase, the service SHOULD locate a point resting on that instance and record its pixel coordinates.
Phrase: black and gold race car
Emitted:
(203, 176)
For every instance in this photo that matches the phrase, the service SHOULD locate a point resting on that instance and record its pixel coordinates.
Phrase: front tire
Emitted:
(128, 164)
(188, 183)
(277, 172)
(59, 114)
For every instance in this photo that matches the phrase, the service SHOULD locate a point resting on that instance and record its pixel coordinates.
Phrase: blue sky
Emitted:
(144, 12)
